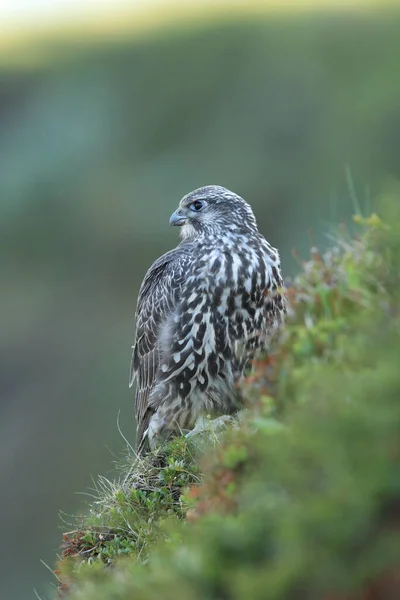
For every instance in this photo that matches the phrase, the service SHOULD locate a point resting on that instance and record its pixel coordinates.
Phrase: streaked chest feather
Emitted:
(226, 306)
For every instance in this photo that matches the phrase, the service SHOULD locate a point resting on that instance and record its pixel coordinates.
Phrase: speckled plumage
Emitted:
(204, 309)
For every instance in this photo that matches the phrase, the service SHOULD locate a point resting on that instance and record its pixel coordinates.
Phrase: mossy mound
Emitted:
(301, 500)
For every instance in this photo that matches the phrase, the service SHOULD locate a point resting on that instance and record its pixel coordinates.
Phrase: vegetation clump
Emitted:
(124, 518)
(301, 498)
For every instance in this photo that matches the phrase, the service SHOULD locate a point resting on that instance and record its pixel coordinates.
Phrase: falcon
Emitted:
(204, 309)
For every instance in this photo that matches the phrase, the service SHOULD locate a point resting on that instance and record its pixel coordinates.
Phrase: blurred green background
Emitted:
(97, 145)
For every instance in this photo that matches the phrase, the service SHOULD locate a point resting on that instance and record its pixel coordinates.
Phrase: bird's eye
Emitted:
(197, 205)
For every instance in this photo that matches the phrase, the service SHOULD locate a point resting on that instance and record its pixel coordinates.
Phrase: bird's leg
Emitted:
(206, 425)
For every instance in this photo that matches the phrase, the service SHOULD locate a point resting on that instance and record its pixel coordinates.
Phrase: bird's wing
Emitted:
(158, 296)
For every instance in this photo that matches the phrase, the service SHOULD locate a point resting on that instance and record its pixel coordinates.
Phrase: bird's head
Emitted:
(213, 210)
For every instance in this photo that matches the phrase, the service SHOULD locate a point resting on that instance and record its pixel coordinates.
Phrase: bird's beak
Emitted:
(177, 219)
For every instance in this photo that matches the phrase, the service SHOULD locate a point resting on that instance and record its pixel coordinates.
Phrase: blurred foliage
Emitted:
(275, 109)
(97, 145)
(302, 499)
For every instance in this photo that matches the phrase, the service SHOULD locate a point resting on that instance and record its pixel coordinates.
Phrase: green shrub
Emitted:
(301, 499)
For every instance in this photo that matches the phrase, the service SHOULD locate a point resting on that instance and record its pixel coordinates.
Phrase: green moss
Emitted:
(301, 499)
(125, 517)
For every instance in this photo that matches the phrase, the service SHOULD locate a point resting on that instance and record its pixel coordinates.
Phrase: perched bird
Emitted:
(204, 309)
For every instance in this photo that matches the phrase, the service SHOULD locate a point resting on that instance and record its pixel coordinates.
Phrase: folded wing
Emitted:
(158, 297)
